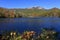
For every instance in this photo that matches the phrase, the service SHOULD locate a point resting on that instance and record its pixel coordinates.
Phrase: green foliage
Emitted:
(46, 34)
(34, 12)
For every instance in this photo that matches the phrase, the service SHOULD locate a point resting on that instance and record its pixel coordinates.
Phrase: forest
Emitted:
(29, 12)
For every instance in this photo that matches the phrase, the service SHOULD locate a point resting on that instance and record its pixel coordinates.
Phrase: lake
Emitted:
(23, 24)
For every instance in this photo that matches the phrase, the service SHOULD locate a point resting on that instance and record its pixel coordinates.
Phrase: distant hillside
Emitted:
(29, 12)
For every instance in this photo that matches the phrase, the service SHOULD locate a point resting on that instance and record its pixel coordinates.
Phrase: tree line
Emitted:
(18, 13)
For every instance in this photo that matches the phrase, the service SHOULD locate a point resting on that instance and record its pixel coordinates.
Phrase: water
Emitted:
(23, 24)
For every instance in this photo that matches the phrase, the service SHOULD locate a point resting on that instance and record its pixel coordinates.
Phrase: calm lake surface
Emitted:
(23, 24)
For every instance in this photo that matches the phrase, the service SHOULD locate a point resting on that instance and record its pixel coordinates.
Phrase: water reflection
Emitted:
(21, 24)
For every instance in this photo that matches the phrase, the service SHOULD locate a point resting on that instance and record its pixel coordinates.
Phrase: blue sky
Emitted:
(29, 3)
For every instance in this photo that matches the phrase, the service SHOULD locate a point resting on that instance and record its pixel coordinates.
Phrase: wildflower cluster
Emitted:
(31, 35)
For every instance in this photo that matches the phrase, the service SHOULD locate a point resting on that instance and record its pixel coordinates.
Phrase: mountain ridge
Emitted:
(29, 12)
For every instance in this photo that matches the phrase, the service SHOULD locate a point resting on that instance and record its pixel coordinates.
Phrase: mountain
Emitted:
(29, 12)
(37, 7)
